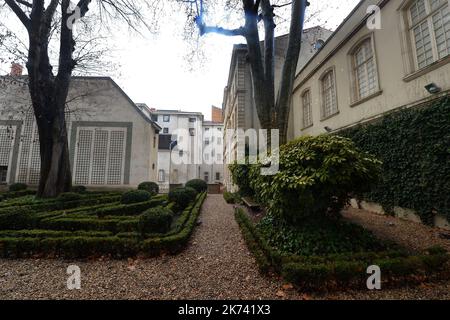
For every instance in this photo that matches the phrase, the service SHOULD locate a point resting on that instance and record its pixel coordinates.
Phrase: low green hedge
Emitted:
(175, 242)
(129, 209)
(80, 235)
(15, 194)
(230, 197)
(58, 204)
(343, 270)
(68, 247)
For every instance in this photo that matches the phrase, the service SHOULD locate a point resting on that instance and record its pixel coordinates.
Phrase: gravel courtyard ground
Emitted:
(216, 265)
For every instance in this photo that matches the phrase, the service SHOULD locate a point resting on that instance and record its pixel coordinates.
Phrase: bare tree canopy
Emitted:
(272, 107)
(54, 20)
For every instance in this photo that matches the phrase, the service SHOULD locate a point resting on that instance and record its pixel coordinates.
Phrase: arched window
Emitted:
(364, 70)
(329, 101)
(161, 176)
(306, 108)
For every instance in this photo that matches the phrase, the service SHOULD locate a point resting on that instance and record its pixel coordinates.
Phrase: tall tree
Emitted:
(44, 20)
(272, 107)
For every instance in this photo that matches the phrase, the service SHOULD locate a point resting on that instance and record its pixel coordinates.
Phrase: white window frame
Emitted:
(161, 175)
(306, 108)
(335, 109)
(355, 85)
(429, 19)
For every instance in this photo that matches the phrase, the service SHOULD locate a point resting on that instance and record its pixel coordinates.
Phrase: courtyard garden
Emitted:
(82, 223)
(300, 232)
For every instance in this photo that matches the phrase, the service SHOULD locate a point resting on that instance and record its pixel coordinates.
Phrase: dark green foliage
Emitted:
(132, 209)
(173, 243)
(230, 197)
(17, 187)
(79, 189)
(69, 196)
(414, 145)
(82, 232)
(135, 196)
(155, 220)
(335, 271)
(319, 236)
(316, 177)
(151, 187)
(182, 196)
(240, 175)
(197, 184)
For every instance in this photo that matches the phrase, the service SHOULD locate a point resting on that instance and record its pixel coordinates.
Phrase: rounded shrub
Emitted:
(149, 186)
(317, 177)
(79, 189)
(135, 196)
(182, 196)
(155, 220)
(18, 187)
(197, 184)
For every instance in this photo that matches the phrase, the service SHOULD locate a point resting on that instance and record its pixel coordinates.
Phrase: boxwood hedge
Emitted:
(339, 271)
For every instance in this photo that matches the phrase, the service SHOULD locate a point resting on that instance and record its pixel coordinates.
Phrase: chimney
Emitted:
(16, 70)
(216, 114)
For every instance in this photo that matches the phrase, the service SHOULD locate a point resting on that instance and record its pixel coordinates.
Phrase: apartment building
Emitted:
(189, 147)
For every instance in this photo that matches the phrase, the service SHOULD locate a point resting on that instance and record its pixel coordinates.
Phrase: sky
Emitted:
(154, 69)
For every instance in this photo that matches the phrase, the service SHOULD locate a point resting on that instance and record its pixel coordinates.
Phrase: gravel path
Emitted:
(216, 265)
(412, 235)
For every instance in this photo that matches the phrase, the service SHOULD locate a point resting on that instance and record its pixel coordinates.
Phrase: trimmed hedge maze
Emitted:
(92, 224)
(343, 271)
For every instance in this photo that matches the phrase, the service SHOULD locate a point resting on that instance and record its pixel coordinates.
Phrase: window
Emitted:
(364, 70)
(3, 173)
(180, 153)
(192, 119)
(166, 130)
(207, 141)
(161, 176)
(206, 176)
(206, 129)
(153, 166)
(430, 30)
(217, 175)
(175, 176)
(219, 140)
(155, 117)
(220, 129)
(166, 118)
(154, 142)
(307, 112)
(192, 132)
(319, 44)
(329, 103)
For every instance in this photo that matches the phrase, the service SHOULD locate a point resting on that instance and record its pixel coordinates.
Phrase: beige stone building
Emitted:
(361, 73)
(239, 111)
(112, 142)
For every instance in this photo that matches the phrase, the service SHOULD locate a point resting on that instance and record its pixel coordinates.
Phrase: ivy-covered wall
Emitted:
(414, 145)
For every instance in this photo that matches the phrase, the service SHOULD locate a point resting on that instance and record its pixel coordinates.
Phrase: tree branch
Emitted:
(204, 29)
(19, 13)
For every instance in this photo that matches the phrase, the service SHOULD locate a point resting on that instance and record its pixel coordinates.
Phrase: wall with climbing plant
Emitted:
(414, 145)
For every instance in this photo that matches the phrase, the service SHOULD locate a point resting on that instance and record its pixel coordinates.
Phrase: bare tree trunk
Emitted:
(284, 98)
(48, 96)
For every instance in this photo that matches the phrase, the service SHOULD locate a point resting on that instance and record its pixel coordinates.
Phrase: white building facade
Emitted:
(189, 148)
